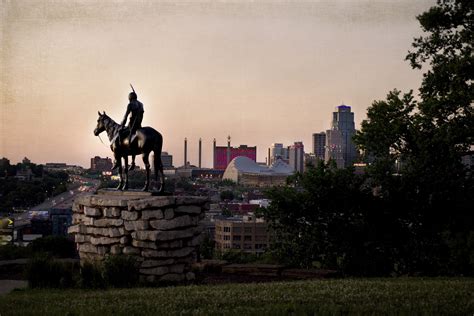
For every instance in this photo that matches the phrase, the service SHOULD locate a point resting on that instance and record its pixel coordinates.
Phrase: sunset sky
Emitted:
(260, 71)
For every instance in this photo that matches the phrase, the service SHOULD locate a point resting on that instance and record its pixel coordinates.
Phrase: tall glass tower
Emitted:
(339, 144)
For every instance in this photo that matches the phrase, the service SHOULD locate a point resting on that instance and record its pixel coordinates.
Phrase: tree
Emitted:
(430, 137)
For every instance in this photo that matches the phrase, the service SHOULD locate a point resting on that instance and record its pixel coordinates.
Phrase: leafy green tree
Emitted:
(227, 195)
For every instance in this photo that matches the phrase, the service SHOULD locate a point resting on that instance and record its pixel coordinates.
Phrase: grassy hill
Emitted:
(328, 297)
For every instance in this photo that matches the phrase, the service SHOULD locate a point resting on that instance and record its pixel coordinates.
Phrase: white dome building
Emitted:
(245, 171)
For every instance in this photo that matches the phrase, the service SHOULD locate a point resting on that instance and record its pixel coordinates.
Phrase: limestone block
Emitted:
(107, 232)
(116, 250)
(188, 209)
(171, 244)
(151, 202)
(136, 225)
(87, 248)
(92, 212)
(76, 208)
(112, 212)
(79, 238)
(81, 219)
(144, 244)
(145, 235)
(129, 216)
(147, 278)
(84, 199)
(77, 229)
(108, 201)
(196, 241)
(128, 250)
(169, 213)
(155, 271)
(176, 268)
(190, 276)
(156, 263)
(125, 240)
(181, 221)
(174, 234)
(104, 240)
(106, 222)
(177, 253)
(172, 277)
(147, 214)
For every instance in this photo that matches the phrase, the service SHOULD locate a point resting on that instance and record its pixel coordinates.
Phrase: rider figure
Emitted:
(135, 107)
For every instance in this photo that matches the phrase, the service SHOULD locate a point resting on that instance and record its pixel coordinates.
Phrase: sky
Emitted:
(262, 72)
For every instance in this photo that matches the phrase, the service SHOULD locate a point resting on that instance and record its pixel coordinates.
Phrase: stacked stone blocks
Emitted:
(161, 232)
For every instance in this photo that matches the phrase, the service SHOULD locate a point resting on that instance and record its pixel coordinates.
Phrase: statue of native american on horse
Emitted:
(132, 140)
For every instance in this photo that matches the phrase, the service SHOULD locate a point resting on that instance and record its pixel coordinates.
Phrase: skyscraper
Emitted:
(319, 145)
(339, 144)
(296, 153)
(277, 151)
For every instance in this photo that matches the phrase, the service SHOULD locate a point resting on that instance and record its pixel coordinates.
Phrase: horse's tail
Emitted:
(157, 163)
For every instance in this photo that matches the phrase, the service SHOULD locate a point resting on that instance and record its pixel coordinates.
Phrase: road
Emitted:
(80, 185)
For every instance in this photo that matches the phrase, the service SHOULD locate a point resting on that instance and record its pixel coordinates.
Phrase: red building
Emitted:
(224, 154)
(101, 164)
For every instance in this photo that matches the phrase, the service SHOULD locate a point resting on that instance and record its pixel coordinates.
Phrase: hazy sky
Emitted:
(260, 71)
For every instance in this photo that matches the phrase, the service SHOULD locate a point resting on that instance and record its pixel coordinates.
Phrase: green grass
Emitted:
(412, 296)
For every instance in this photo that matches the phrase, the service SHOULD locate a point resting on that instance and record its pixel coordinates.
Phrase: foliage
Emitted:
(10, 252)
(120, 271)
(42, 271)
(227, 195)
(398, 296)
(433, 190)
(206, 248)
(56, 246)
(91, 276)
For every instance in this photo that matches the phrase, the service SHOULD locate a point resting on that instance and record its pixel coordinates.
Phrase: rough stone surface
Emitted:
(148, 214)
(181, 221)
(105, 222)
(131, 250)
(93, 212)
(156, 263)
(104, 240)
(188, 209)
(152, 202)
(129, 216)
(161, 232)
(155, 270)
(136, 225)
(112, 211)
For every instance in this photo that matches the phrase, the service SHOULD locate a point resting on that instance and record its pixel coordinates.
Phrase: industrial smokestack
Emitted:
(200, 151)
(214, 160)
(185, 153)
(228, 150)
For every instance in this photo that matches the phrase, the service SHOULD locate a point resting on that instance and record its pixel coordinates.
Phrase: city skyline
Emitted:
(261, 72)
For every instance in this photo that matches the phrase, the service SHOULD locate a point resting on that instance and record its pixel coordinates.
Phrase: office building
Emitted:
(339, 144)
(319, 145)
(296, 156)
(277, 152)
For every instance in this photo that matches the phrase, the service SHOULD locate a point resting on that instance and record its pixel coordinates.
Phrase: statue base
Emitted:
(161, 232)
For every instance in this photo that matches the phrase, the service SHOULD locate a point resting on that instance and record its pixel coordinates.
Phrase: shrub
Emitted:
(43, 271)
(57, 246)
(91, 276)
(9, 252)
(120, 271)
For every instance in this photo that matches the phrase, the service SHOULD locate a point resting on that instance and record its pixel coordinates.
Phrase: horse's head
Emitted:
(100, 124)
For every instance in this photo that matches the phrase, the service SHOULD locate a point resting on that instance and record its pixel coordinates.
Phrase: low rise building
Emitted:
(244, 233)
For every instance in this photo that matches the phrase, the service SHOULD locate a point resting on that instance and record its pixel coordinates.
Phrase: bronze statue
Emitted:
(135, 108)
(133, 141)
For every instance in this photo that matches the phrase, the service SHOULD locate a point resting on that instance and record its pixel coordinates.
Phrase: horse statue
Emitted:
(147, 140)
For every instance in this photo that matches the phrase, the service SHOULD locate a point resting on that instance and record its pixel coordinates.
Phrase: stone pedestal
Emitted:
(161, 232)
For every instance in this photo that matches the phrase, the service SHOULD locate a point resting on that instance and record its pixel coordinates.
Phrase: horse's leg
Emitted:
(147, 167)
(119, 161)
(158, 166)
(125, 158)
(132, 165)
